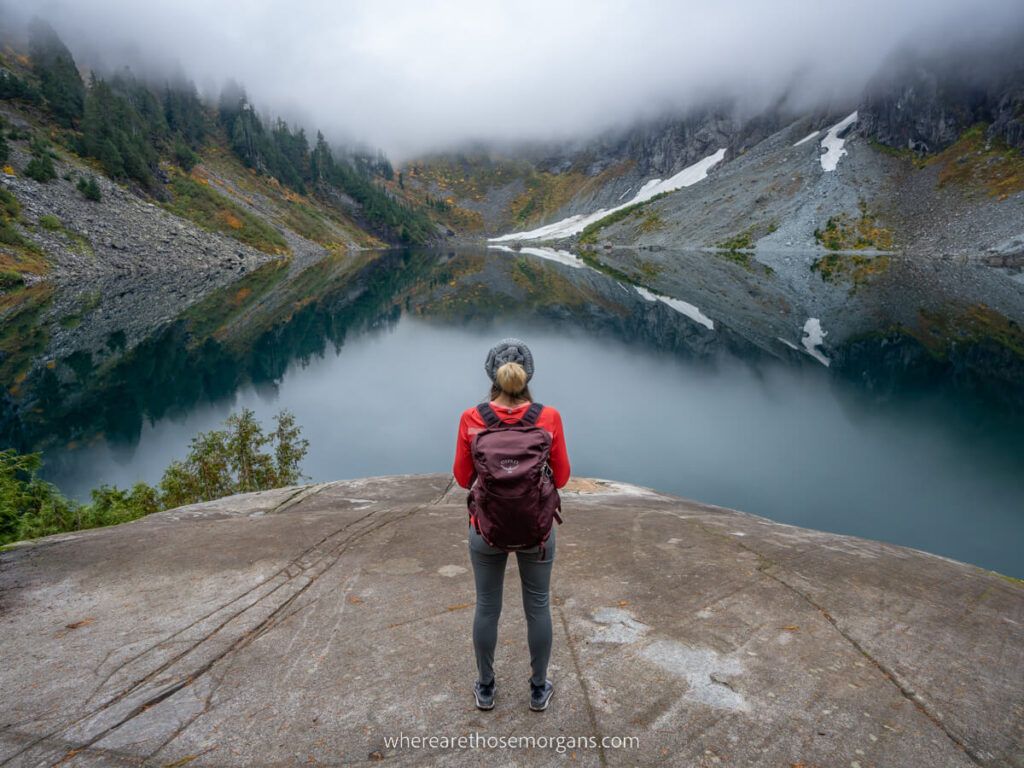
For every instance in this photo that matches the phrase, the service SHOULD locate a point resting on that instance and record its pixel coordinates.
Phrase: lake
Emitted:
(377, 357)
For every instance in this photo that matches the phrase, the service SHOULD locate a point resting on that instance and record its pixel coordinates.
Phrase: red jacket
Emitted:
(471, 422)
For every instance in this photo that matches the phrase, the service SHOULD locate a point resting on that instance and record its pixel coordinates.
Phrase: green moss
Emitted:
(739, 257)
(738, 242)
(197, 201)
(10, 207)
(938, 332)
(652, 222)
(736, 248)
(590, 234)
(76, 240)
(650, 269)
(10, 210)
(10, 279)
(975, 161)
(841, 233)
(836, 268)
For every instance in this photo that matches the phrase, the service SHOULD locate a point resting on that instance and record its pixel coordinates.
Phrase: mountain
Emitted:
(927, 161)
(118, 165)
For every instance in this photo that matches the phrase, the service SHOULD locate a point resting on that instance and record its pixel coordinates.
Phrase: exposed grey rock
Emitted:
(311, 624)
(924, 104)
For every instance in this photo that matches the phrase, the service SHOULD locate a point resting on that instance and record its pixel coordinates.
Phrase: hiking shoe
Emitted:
(484, 695)
(541, 695)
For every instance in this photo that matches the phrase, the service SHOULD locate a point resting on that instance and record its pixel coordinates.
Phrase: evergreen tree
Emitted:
(184, 112)
(89, 188)
(60, 84)
(143, 105)
(382, 212)
(14, 87)
(183, 154)
(117, 133)
(219, 463)
(321, 162)
(40, 167)
(285, 154)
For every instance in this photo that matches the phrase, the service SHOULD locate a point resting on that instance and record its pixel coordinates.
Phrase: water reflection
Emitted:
(376, 355)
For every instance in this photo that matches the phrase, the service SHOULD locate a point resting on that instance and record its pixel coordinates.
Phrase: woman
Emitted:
(510, 367)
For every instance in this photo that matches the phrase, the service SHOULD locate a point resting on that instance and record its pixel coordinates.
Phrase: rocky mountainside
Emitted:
(103, 170)
(925, 104)
(927, 161)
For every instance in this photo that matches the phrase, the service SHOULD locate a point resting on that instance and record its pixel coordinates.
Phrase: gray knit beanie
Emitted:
(509, 351)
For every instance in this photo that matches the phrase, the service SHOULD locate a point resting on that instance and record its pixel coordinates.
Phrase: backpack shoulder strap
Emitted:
(488, 415)
(532, 413)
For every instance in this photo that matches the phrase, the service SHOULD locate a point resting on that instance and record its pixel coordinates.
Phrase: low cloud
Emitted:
(416, 76)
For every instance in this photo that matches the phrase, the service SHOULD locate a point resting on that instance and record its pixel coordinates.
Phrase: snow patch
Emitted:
(807, 138)
(814, 336)
(833, 144)
(678, 305)
(570, 259)
(551, 254)
(788, 343)
(573, 225)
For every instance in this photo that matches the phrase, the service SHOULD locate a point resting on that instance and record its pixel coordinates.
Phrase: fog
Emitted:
(416, 76)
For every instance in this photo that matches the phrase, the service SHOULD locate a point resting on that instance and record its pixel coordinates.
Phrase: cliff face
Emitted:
(341, 614)
(924, 105)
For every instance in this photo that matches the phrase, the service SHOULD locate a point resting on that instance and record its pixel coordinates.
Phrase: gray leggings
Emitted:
(535, 575)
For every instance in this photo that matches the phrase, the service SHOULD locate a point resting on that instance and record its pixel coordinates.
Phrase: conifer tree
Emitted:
(60, 84)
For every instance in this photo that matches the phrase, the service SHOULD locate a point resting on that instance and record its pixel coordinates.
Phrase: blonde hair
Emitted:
(510, 379)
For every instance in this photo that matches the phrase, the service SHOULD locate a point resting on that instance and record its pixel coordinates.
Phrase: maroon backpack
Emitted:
(514, 499)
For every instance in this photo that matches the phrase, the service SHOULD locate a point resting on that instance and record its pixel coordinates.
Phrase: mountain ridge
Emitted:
(921, 113)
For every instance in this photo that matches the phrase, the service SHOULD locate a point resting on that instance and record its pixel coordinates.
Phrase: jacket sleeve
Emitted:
(559, 460)
(463, 469)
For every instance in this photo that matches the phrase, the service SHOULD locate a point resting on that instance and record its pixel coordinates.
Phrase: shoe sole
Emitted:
(545, 705)
(484, 707)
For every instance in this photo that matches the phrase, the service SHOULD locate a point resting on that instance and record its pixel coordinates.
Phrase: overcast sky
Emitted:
(411, 75)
